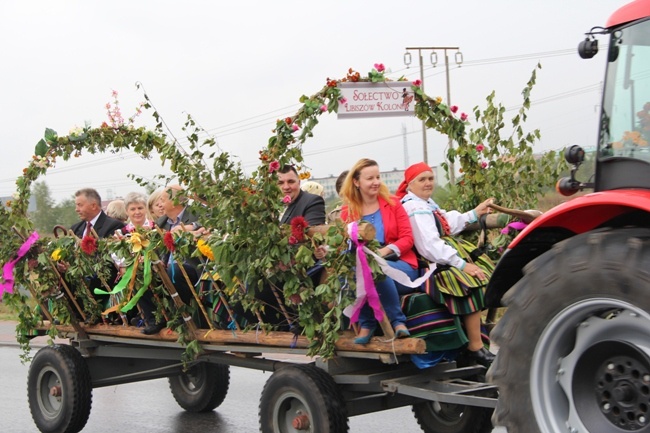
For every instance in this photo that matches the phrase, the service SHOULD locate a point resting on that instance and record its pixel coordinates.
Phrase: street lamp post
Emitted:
(434, 61)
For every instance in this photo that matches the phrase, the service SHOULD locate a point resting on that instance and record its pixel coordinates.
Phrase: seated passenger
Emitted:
(432, 231)
(177, 218)
(116, 209)
(135, 204)
(367, 198)
(301, 203)
(335, 213)
(88, 207)
(154, 205)
(313, 188)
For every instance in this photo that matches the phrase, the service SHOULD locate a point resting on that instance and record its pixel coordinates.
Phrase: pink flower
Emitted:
(484, 164)
(323, 108)
(480, 148)
(453, 108)
(286, 199)
(114, 93)
(380, 67)
(343, 101)
(463, 117)
(417, 83)
(275, 165)
(295, 127)
(293, 240)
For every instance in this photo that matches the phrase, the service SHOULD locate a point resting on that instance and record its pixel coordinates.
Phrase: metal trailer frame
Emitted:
(369, 382)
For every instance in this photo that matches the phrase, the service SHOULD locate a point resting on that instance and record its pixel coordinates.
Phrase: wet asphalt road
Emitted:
(149, 406)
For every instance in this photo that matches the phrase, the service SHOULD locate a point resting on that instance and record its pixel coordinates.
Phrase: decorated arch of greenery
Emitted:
(247, 247)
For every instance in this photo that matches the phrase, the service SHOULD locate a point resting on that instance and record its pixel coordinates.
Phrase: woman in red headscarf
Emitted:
(459, 280)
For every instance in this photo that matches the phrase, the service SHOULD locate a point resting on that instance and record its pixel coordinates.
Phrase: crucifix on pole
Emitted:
(434, 61)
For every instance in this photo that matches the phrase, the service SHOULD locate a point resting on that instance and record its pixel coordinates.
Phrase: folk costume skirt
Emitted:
(460, 292)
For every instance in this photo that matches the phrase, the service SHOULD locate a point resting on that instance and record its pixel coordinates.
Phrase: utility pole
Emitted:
(434, 62)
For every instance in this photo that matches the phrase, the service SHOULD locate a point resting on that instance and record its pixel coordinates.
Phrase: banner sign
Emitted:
(387, 99)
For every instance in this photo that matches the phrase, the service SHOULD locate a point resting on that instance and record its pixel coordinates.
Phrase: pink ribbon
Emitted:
(366, 290)
(8, 268)
(517, 225)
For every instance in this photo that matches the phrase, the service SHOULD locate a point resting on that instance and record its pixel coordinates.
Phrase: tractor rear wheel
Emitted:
(574, 343)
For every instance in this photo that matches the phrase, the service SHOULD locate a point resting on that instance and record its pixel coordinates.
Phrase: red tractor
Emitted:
(575, 339)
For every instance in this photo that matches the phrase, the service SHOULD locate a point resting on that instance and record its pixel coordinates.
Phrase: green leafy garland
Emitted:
(250, 249)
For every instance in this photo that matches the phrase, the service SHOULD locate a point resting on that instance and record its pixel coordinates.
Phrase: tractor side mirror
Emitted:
(588, 48)
(574, 155)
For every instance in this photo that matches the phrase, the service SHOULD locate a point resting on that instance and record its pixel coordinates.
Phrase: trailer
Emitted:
(312, 395)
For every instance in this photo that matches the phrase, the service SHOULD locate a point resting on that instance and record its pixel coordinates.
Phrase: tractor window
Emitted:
(625, 128)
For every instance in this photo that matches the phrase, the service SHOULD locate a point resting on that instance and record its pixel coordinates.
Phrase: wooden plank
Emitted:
(403, 346)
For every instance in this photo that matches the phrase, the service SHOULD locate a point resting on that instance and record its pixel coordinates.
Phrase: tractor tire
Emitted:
(59, 390)
(434, 417)
(202, 388)
(574, 343)
(302, 398)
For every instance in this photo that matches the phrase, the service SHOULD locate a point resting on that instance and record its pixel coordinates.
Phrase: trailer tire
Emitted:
(59, 390)
(202, 388)
(573, 343)
(302, 398)
(435, 417)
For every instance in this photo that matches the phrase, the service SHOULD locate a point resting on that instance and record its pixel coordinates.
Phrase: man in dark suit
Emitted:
(177, 218)
(88, 205)
(309, 206)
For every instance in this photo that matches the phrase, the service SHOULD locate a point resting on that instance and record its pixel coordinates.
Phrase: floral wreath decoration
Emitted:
(246, 250)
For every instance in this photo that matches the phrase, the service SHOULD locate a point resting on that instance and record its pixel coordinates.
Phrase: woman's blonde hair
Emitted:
(351, 194)
(151, 202)
(117, 210)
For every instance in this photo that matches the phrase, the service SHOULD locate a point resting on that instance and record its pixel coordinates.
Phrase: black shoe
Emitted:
(482, 357)
(154, 329)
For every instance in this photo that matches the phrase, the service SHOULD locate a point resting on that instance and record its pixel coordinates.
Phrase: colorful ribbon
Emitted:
(128, 274)
(517, 225)
(366, 290)
(8, 268)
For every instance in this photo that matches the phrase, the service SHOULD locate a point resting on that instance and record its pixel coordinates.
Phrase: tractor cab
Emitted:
(623, 156)
(624, 140)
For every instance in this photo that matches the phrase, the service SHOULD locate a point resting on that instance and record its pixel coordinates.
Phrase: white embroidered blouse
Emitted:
(425, 231)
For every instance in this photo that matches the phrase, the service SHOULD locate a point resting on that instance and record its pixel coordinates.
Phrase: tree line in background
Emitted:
(49, 214)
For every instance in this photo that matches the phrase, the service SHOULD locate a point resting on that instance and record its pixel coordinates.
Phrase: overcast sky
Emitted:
(238, 66)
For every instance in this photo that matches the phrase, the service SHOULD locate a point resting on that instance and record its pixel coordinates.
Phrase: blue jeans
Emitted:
(388, 292)
(413, 274)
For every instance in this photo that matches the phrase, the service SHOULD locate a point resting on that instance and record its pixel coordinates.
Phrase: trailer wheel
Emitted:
(435, 417)
(574, 348)
(302, 398)
(59, 390)
(202, 388)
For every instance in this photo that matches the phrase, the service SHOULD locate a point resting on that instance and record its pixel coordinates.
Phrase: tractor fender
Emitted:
(615, 208)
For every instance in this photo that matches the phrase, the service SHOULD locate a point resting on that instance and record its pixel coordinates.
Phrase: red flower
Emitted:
(89, 245)
(288, 120)
(293, 240)
(417, 83)
(380, 67)
(480, 148)
(484, 164)
(298, 226)
(453, 108)
(168, 240)
(463, 117)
